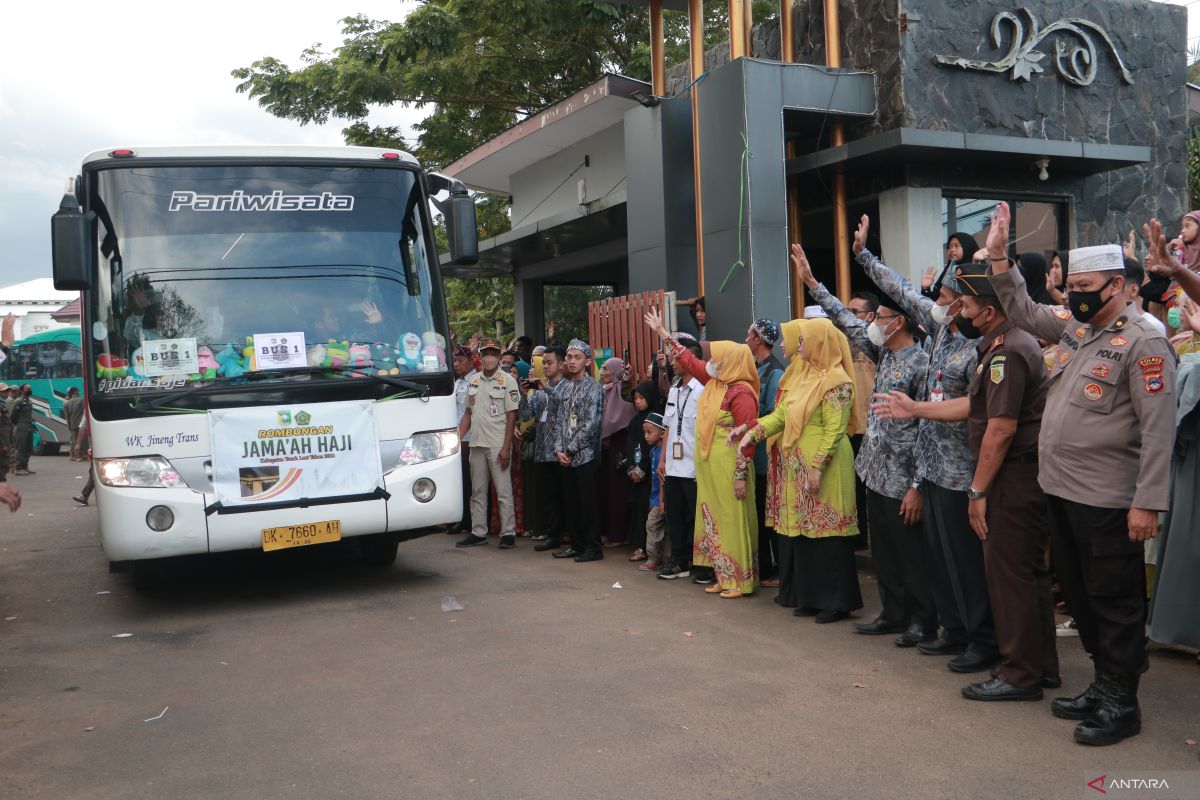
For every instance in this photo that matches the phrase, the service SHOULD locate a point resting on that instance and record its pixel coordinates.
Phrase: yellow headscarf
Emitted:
(734, 363)
(539, 369)
(827, 351)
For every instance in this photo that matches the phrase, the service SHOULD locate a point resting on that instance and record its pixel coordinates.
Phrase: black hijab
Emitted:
(654, 405)
(969, 248)
(1033, 270)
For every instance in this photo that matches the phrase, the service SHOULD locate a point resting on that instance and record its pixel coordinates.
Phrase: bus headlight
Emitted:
(143, 472)
(422, 447)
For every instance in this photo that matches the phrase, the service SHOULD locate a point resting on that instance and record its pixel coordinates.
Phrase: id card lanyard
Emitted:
(677, 445)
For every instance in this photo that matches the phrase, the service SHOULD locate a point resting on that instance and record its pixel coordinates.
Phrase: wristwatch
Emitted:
(972, 494)
(916, 484)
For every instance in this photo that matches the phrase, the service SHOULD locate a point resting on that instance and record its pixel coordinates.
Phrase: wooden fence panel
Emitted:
(616, 323)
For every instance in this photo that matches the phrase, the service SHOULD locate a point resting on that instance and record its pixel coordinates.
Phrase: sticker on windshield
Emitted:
(275, 201)
(99, 331)
(168, 357)
(279, 351)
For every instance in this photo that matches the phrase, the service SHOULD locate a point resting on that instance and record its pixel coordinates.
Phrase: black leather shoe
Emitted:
(507, 542)
(830, 615)
(974, 661)
(1051, 682)
(1081, 706)
(471, 540)
(1118, 716)
(941, 646)
(591, 555)
(878, 627)
(1000, 689)
(549, 544)
(570, 552)
(805, 611)
(915, 634)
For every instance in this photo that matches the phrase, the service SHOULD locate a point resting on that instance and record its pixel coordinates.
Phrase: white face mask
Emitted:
(876, 334)
(941, 314)
(711, 369)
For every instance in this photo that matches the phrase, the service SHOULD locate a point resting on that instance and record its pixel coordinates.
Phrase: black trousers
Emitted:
(862, 540)
(956, 569)
(581, 494)
(549, 475)
(768, 557)
(1014, 555)
(901, 555)
(681, 518)
(1103, 580)
(639, 507)
(464, 453)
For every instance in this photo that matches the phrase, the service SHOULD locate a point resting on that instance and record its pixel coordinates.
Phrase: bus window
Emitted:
(70, 361)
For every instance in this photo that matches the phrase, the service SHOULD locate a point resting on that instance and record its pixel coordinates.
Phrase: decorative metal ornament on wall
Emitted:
(1076, 61)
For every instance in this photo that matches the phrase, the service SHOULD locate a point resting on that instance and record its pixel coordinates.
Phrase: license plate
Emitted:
(300, 535)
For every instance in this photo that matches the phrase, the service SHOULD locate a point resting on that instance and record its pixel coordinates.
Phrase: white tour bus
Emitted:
(264, 344)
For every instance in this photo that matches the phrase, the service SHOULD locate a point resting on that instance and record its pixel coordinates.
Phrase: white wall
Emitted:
(534, 194)
(910, 230)
(31, 319)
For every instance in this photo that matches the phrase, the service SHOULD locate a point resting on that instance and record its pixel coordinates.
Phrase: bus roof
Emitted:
(56, 335)
(252, 152)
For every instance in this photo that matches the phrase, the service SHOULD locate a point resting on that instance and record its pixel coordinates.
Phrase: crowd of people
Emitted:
(1012, 436)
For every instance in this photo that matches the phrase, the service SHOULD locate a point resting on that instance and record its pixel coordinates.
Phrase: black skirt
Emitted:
(818, 573)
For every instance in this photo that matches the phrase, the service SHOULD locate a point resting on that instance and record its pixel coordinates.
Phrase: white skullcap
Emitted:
(815, 312)
(1101, 258)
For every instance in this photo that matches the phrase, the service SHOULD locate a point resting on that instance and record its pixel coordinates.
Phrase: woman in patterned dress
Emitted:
(813, 507)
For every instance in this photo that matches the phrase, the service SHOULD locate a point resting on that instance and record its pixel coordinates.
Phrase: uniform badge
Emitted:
(997, 372)
(1081, 331)
(1093, 391)
(1118, 341)
(1062, 314)
(979, 369)
(1152, 369)
(1063, 358)
(1101, 371)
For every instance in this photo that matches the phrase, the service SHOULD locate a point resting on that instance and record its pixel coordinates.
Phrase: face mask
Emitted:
(941, 314)
(711, 369)
(1174, 317)
(1085, 305)
(968, 328)
(877, 335)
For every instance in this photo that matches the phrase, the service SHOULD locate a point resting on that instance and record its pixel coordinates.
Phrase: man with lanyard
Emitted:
(1105, 451)
(1008, 509)
(945, 467)
(464, 371)
(580, 403)
(887, 464)
(761, 339)
(492, 398)
(677, 467)
(541, 403)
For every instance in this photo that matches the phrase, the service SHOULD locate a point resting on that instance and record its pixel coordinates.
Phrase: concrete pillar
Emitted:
(529, 308)
(910, 230)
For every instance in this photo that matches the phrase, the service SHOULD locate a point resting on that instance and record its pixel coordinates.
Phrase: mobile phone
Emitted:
(625, 354)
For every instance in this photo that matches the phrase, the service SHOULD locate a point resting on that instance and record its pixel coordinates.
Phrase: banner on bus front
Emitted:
(279, 454)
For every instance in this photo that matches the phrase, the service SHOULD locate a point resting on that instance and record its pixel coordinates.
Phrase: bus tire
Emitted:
(46, 449)
(379, 549)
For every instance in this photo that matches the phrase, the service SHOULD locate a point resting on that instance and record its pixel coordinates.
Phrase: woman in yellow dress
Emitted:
(813, 507)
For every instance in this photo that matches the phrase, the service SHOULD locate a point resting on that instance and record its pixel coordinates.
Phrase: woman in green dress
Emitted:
(813, 505)
(726, 533)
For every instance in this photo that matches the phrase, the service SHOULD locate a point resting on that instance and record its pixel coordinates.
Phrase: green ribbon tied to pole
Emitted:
(744, 170)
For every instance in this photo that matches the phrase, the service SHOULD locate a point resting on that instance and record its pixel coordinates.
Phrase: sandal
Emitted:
(770, 583)
(729, 594)
(638, 555)
(716, 587)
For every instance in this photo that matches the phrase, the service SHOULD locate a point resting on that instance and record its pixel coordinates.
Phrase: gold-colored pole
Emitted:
(696, 37)
(787, 50)
(787, 33)
(837, 137)
(748, 25)
(737, 28)
(658, 66)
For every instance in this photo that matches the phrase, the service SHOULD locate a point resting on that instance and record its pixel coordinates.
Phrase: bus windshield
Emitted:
(212, 271)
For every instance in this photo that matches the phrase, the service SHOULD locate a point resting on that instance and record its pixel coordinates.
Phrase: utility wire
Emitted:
(551, 194)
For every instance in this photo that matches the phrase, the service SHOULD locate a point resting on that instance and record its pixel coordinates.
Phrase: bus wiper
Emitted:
(420, 388)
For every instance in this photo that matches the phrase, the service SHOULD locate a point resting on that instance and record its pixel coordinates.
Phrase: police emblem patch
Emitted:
(1093, 391)
(1081, 331)
(1152, 369)
(1118, 341)
(1062, 313)
(1101, 371)
(997, 372)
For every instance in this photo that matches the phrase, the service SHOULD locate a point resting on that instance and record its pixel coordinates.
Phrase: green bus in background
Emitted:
(51, 362)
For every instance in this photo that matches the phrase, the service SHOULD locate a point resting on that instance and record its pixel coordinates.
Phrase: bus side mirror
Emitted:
(462, 231)
(71, 244)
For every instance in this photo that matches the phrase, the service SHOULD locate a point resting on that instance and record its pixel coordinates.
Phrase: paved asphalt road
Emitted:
(308, 675)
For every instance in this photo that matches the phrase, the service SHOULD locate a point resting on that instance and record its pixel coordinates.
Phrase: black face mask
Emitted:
(1085, 305)
(967, 327)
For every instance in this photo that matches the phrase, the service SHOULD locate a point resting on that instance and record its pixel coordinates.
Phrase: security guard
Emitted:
(492, 401)
(5, 431)
(20, 412)
(1008, 509)
(1105, 457)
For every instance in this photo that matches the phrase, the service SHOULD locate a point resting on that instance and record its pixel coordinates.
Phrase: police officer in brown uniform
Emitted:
(1105, 453)
(1007, 508)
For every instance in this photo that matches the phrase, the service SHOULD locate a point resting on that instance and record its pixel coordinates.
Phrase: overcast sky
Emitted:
(77, 77)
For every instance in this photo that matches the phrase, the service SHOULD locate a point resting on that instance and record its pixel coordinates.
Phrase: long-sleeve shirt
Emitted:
(580, 403)
(742, 405)
(943, 448)
(887, 460)
(542, 405)
(1108, 430)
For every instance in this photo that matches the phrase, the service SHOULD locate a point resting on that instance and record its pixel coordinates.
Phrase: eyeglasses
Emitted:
(861, 312)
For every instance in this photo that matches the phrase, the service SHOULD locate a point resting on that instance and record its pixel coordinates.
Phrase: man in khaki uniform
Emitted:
(1105, 458)
(491, 411)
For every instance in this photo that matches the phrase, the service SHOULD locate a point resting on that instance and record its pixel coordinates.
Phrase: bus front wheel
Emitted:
(379, 549)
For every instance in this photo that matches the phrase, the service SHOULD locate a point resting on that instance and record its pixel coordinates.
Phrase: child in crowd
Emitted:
(658, 547)
(638, 467)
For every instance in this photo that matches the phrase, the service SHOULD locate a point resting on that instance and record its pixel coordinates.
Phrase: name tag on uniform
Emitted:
(677, 451)
(572, 423)
(493, 408)
(937, 397)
